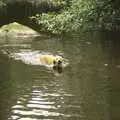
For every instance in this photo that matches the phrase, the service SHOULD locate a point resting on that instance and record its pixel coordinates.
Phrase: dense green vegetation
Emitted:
(20, 10)
(62, 16)
(81, 15)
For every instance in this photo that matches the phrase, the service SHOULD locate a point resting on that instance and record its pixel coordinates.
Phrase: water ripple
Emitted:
(41, 106)
(35, 113)
(41, 102)
(32, 57)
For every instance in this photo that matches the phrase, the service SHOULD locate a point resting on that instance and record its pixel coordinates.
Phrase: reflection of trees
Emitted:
(13, 81)
(111, 46)
(87, 73)
(5, 87)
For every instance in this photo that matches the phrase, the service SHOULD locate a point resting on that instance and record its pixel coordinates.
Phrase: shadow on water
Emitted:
(87, 89)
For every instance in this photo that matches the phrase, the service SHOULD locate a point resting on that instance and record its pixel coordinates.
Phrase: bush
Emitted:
(81, 15)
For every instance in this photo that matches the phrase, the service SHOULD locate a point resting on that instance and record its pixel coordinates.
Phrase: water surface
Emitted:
(88, 88)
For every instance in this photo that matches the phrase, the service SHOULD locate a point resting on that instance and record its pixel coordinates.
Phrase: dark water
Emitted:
(88, 88)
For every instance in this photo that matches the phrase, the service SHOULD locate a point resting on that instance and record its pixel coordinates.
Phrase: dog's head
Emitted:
(57, 64)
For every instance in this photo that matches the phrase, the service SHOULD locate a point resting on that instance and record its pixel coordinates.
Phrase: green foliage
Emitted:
(2, 4)
(81, 15)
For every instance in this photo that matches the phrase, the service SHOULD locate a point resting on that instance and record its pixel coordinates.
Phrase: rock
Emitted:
(17, 30)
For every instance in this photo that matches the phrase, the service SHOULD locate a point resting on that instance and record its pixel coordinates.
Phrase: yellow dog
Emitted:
(56, 61)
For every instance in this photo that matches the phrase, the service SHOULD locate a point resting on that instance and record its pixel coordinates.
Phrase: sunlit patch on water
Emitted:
(42, 107)
(17, 45)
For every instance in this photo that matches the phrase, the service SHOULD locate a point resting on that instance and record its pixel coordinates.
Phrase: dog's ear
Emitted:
(54, 62)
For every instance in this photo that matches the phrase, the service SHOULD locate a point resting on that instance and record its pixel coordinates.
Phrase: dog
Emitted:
(55, 61)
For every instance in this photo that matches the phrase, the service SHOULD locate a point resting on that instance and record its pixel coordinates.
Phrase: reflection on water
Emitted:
(38, 105)
(86, 90)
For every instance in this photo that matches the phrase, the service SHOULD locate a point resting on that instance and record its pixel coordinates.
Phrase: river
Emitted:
(87, 89)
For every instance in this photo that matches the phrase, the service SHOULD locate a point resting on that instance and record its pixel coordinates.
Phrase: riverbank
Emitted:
(17, 30)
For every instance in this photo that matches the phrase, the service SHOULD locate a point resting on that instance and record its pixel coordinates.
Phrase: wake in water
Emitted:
(39, 58)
